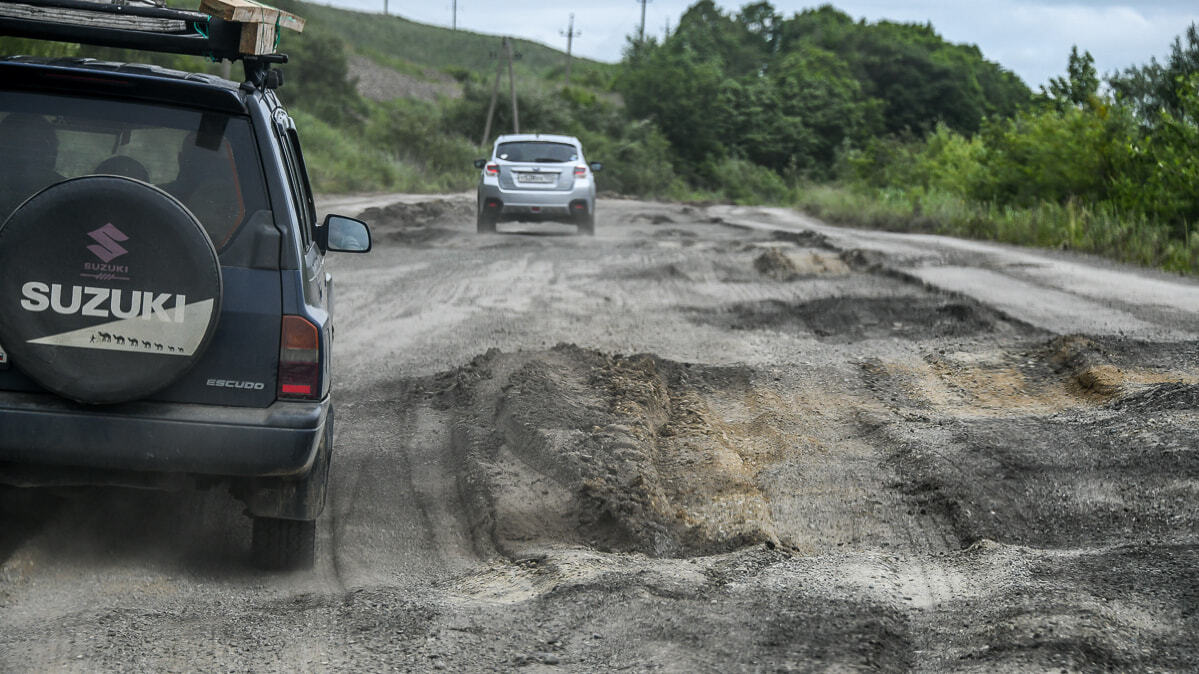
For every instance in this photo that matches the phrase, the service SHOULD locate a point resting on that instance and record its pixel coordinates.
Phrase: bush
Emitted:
(744, 182)
(1096, 228)
(339, 162)
(636, 163)
(412, 131)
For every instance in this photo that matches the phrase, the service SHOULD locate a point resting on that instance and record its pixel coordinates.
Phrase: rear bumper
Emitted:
(44, 432)
(546, 202)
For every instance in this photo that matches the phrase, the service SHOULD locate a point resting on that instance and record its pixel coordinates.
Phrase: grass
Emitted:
(429, 46)
(1088, 228)
(339, 162)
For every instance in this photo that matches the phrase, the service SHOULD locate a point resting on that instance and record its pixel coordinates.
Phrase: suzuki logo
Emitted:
(106, 247)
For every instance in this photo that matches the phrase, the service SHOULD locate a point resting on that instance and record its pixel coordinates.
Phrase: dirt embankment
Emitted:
(421, 224)
(574, 447)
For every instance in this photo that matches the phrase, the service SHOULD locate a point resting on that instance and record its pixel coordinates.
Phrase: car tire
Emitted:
(283, 545)
(485, 221)
(110, 289)
(586, 224)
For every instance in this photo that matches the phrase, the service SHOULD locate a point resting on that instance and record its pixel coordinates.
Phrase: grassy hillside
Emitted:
(388, 39)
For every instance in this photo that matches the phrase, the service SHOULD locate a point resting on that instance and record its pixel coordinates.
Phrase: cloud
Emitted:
(1033, 39)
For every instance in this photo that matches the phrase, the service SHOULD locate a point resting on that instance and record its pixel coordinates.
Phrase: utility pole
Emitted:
(454, 20)
(570, 34)
(512, 87)
(384, 7)
(641, 32)
(505, 54)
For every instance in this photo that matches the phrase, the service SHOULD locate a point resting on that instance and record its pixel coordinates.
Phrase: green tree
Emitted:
(316, 79)
(679, 90)
(1080, 87)
(1153, 87)
(818, 90)
(1160, 169)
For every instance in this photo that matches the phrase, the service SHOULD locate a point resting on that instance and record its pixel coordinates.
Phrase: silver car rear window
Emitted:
(536, 151)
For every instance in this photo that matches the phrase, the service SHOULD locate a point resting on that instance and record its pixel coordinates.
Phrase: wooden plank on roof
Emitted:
(260, 23)
(249, 11)
(83, 17)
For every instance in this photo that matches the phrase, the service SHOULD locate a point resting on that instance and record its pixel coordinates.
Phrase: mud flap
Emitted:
(287, 498)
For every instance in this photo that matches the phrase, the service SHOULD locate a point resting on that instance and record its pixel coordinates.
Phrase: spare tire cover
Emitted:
(110, 289)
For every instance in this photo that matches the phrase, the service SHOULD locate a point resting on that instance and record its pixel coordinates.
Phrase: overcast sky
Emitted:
(1031, 38)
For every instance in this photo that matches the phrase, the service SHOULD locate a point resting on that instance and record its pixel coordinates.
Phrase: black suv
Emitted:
(165, 313)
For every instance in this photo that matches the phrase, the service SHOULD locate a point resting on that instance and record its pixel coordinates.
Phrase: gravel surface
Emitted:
(707, 439)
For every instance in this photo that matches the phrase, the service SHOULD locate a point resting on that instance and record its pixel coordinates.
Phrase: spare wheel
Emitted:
(110, 289)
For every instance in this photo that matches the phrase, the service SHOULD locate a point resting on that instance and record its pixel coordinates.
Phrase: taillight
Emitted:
(493, 169)
(299, 359)
(580, 171)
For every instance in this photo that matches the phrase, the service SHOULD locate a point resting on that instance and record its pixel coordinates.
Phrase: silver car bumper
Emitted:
(543, 202)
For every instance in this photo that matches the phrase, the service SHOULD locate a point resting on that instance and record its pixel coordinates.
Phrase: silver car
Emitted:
(537, 177)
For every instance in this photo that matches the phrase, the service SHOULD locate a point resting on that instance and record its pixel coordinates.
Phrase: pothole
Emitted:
(1062, 374)
(860, 318)
(1061, 443)
(652, 218)
(784, 265)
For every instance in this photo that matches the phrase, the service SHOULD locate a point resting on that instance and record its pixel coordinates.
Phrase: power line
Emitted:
(570, 35)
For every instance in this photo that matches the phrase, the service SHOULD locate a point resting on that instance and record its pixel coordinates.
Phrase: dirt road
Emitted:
(708, 439)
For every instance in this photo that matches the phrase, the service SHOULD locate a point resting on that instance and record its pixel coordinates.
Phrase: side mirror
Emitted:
(596, 166)
(344, 235)
(480, 163)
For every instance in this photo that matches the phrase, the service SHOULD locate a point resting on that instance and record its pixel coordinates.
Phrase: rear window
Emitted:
(206, 160)
(537, 152)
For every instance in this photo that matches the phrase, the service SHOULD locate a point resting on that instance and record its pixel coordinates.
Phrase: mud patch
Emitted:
(804, 239)
(419, 224)
(674, 271)
(864, 260)
(1066, 443)
(1065, 373)
(783, 265)
(652, 219)
(862, 318)
(612, 452)
(1074, 610)
(578, 593)
(572, 447)
(675, 233)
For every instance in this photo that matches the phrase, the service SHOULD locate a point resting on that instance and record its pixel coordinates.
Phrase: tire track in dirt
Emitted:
(395, 497)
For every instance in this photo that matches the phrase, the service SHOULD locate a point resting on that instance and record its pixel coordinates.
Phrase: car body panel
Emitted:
(44, 430)
(223, 418)
(527, 189)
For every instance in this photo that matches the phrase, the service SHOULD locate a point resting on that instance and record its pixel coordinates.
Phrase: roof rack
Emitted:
(222, 29)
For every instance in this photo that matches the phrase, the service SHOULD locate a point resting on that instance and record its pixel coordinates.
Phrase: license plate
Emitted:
(536, 178)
